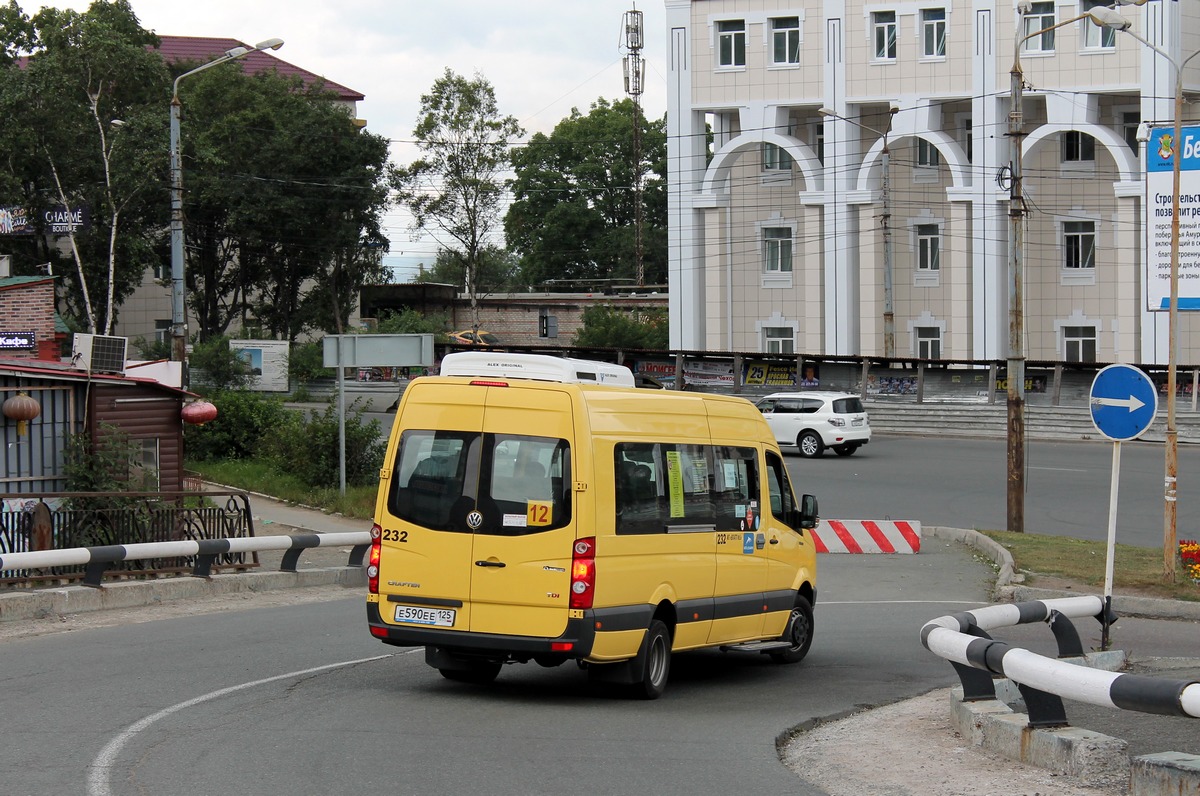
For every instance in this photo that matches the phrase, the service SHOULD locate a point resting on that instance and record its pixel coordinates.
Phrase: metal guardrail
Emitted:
(98, 560)
(963, 640)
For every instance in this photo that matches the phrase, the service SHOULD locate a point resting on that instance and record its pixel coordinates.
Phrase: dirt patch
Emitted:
(910, 748)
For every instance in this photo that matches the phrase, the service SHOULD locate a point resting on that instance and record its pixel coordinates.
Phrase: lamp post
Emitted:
(1114, 20)
(178, 318)
(1016, 212)
(889, 317)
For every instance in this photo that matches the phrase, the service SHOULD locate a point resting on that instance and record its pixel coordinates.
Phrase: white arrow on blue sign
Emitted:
(1123, 402)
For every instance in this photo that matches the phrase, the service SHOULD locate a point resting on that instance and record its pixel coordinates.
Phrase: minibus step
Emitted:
(756, 646)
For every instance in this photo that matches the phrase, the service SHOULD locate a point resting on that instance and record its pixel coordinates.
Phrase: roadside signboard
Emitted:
(1161, 151)
(1123, 401)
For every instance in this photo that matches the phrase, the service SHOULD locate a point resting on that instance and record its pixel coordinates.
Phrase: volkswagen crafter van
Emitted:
(537, 508)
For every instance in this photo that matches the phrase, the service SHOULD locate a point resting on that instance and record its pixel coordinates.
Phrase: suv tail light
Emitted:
(373, 560)
(583, 573)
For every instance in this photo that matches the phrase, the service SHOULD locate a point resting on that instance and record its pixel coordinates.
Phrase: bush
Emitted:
(244, 420)
(306, 362)
(308, 447)
(220, 366)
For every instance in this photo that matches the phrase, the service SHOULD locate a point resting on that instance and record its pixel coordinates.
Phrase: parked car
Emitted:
(472, 337)
(814, 420)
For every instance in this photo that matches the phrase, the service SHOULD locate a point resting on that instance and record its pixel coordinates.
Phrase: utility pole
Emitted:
(635, 79)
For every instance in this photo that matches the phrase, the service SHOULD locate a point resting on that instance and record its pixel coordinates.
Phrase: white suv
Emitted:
(814, 420)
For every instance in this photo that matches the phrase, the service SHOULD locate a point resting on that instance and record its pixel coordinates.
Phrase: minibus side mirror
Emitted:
(808, 517)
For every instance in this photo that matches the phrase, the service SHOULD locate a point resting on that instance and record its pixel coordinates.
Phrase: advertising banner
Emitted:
(59, 220)
(1161, 152)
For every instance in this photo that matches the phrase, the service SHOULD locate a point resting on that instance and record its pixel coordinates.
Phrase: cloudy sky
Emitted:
(543, 57)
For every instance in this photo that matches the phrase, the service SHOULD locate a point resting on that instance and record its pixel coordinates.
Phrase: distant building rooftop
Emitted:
(200, 49)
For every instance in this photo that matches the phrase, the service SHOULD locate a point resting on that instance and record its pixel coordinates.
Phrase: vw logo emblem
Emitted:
(474, 519)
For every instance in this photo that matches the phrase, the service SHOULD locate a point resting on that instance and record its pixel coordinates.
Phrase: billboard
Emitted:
(58, 220)
(1161, 151)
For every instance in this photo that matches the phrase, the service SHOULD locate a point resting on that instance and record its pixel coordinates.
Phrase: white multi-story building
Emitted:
(777, 116)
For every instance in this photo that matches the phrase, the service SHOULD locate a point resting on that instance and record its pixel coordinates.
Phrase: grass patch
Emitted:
(257, 476)
(1136, 570)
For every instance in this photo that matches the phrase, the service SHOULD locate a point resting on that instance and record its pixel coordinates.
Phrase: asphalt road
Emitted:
(234, 702)
(962, 483)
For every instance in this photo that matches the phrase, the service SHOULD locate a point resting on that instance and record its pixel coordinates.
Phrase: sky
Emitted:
(542, 57)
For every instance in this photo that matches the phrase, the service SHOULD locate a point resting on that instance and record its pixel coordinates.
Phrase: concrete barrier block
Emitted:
(969, 718)
(1091, 757)
(1164, 774)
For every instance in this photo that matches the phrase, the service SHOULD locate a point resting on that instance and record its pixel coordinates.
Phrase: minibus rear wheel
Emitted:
(653, 661)
(799, 633)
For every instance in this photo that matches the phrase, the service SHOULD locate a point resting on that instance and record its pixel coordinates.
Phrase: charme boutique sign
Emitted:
(16, 340)
(57, 220)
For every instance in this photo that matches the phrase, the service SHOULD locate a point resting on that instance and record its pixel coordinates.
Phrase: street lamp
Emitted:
(889, 317)
(1114, 20)
(178, 318)
(1016, 211)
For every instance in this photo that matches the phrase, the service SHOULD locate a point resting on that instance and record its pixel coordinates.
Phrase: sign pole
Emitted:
(1112, 543)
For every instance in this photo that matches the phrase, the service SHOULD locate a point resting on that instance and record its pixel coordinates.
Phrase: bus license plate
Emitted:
(435, 617)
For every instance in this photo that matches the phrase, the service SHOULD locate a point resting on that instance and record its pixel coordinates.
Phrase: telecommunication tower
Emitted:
(635, 79)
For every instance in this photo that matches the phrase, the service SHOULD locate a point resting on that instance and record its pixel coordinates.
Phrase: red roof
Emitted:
(200, 49)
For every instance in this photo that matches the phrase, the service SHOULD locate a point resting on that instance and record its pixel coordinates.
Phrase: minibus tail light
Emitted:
(583, 573)
(373, 560)
(482, 383)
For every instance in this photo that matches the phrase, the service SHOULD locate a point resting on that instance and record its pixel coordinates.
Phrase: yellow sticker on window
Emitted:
(539, 512)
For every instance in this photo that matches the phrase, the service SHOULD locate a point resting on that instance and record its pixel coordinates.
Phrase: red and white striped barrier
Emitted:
(867, 536)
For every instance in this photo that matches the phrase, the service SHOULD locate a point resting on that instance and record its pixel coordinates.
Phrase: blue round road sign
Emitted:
(1123, 402)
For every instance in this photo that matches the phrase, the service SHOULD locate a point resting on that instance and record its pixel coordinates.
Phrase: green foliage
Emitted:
(220, 365)
(257, 475)
(306, 362)
(574, 212)
(103, 466)
(456, 187)
(244, 420)
(609, 327)
(152, 349)
(497, 270)
(410, 321)
(308, 447)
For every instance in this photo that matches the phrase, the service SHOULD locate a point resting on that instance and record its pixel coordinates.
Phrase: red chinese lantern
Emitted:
(22, 408)
(198, 413)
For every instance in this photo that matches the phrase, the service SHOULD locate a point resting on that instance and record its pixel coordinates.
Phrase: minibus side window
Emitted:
(783, 503)
(638, 486)
(735, 486)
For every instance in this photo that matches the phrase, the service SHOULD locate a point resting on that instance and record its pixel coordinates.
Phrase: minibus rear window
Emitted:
(498, 484)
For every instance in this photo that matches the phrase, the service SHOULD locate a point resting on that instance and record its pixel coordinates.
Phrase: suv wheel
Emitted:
(810, 445)
(844, 450)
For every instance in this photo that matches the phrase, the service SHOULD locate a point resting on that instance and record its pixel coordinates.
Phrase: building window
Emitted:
(1079, 343)
(927, 154)
(1078, 147)
(1039, 17)
(785, 41)
(968, 140)
(933, 32)
(777, 250)
(143, 465)
(776, 158)
(778, 340)
(929, 342)
(731, 43)
(818, 140)
(162, 331)
(1079, 244)
(162, 271)
(883, 24)
(928, 248)
(1097, 36)
(1129, 129)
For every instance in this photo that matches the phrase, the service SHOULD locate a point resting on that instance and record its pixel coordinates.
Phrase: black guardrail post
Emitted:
(300, 543)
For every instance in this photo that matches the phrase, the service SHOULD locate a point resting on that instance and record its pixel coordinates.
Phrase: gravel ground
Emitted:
(910, 748)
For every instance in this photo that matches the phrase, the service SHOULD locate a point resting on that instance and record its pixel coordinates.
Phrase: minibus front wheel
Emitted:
(798, 633)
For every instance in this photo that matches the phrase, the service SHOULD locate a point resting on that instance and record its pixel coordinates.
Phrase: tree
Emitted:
(91, 90)
(456, 187)
(609, 327)
(496, 271)
(285, 204)
(573, 214)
